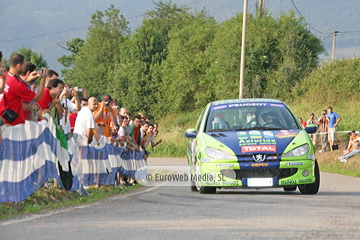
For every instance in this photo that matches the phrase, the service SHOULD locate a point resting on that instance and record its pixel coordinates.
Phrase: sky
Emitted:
(45, 25)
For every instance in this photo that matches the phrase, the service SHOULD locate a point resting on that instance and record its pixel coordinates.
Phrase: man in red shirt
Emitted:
(51, 96)
(16, 90)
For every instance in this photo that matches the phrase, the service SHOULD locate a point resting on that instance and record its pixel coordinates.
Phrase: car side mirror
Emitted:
(310, 128)
(190, 133)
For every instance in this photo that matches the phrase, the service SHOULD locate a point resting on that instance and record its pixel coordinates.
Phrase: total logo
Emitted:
(258, 148)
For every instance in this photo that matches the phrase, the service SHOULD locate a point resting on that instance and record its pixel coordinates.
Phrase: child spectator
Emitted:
(303, 123)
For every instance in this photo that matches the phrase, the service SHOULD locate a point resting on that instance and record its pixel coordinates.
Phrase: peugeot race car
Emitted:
(251, 143)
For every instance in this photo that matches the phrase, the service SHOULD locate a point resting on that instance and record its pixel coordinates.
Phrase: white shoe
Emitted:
(342, 159)
(321, 151)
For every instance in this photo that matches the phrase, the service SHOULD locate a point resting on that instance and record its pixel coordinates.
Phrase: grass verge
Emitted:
(56, 198)
(350, 168)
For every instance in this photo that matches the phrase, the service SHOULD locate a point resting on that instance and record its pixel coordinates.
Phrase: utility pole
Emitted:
(242, 58)
(333, 45)
(262, 7)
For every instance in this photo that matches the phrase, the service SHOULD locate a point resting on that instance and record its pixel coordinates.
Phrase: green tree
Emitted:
(33, 57)
(139, 73)
(74, 46)
(94, 66)
(183, 83)
(298, 54)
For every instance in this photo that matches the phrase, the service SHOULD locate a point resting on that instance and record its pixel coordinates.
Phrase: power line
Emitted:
(74, 29)
(303, 18)
(326, 38)
(42, 35)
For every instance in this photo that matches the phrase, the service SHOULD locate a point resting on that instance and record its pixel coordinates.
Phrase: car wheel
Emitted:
(290, 189)
(312, 188)
(197, 185)
(193, 186)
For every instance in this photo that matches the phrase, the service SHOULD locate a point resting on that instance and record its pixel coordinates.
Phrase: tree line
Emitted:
(178, 60)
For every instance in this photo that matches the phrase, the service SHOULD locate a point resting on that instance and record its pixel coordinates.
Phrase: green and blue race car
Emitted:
(251, 143)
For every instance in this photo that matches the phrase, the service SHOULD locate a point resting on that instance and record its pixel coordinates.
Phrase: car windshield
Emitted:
(250, 116)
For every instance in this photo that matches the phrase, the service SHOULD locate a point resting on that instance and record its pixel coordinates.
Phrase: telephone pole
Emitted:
(242, 58)
(333, 45)
(262, 7)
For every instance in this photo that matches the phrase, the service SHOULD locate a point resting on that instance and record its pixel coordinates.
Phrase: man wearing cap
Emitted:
(313, 120)
(104, 116)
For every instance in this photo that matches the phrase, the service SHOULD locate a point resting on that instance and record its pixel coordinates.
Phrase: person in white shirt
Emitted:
(85, 123)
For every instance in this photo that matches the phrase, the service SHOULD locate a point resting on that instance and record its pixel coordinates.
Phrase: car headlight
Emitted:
(218, 154)
(299, 151)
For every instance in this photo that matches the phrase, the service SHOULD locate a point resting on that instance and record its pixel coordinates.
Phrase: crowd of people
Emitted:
(327, 124)
(22, 98)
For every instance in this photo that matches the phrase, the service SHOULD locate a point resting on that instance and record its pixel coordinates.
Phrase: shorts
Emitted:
(332, 134)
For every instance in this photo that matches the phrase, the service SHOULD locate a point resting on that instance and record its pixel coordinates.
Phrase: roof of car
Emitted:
(245, 100)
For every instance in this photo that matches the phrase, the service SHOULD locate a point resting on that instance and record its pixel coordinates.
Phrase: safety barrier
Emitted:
(32, 152)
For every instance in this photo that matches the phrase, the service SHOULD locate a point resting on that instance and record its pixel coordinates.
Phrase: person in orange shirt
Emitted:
(104, 116)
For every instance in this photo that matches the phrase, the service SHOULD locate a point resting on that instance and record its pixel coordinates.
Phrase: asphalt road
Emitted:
(176, 213)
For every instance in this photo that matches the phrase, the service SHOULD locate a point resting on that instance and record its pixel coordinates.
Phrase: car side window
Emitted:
(197, 127)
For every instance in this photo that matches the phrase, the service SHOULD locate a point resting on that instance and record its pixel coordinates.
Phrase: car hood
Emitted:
(254, 141)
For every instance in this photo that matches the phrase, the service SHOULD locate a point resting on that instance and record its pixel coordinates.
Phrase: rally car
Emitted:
(251, 143)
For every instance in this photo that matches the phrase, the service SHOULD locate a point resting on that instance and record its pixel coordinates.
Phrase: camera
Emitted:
(107, 103)
(2, 71)
(323, 114)
(40, 71)
(78, 89)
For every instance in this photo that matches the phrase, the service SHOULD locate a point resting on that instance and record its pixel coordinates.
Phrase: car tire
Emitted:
(193, 187)
(207, 190)
(312, 188)
(198, 187)
(290, 189)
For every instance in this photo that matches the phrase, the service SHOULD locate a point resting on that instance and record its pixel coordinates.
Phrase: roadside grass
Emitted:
(57, 198)
(350, 168)
(171, 131)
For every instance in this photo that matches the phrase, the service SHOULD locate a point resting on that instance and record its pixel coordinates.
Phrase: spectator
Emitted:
(353, 142)
(29, 76)
(104, 116)
(334, 119)
(135, 131)
(16, 91)
(50, 75)
(156, 132)
(323, 122)
(2, 75)
(85, 123)
(68, 107)
(123, 111)
(144, 133)
(351, 154)
(303, 123)
(125, 125)
(151, 137)
(313, 120)
(52, 97)
(72, 117)
(2, 86)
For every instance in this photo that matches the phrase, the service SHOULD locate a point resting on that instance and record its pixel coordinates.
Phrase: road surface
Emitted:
(176, 213)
